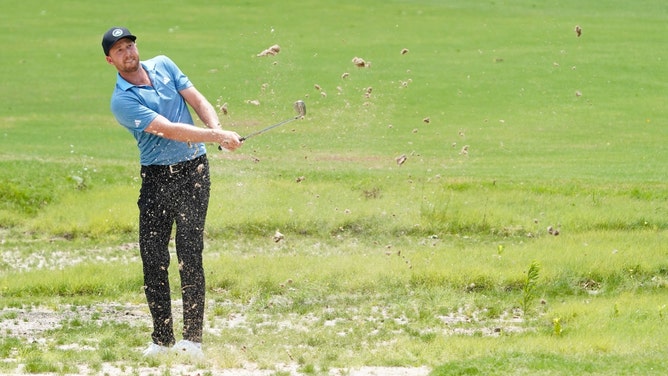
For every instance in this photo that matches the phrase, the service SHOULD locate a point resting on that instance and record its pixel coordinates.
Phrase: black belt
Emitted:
(174, 168)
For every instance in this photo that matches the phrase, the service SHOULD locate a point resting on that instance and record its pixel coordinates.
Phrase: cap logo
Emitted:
(117, 32)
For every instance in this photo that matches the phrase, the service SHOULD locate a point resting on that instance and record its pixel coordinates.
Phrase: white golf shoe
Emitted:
(189, 349)
(155, 350)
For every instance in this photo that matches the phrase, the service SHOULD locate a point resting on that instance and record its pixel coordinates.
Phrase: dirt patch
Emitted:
(31, 324)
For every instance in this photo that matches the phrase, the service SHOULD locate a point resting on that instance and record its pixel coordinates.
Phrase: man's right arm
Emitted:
(162, 127)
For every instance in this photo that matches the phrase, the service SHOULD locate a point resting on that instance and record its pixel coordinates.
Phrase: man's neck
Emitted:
(138, 78)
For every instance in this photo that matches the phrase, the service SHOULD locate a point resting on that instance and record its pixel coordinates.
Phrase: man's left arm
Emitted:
(202, 107)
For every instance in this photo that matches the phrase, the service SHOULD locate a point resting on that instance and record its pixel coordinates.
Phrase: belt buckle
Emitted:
(173, 169)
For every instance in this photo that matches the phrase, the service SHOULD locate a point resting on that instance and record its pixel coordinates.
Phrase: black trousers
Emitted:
(177, 194)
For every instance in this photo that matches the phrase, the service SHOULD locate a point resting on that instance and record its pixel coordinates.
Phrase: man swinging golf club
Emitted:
(151, 101)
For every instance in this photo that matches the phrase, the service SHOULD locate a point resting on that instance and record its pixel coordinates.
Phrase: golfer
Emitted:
(151, 101)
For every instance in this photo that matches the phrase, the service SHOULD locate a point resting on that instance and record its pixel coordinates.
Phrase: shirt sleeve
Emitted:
(181, 81)
(131, 113)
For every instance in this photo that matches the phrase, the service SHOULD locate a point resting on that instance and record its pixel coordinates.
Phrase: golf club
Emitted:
(300, 109)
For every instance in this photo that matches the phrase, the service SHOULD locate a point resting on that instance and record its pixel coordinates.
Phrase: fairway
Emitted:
(477, 187)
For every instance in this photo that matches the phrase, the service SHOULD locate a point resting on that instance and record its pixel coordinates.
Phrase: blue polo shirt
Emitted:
(136, 106)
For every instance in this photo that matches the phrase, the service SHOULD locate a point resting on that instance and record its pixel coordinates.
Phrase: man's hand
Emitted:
(230, 140)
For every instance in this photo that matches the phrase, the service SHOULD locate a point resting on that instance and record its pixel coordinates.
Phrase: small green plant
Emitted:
(556, 326)
(38, 364)
(528, 291)
(308, 369)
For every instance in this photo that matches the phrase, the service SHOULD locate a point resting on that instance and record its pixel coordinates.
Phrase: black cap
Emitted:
(113, 35)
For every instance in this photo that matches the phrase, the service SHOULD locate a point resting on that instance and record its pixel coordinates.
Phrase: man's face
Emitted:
(124, 56)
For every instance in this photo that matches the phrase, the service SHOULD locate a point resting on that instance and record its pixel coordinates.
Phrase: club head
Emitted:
(300, 108)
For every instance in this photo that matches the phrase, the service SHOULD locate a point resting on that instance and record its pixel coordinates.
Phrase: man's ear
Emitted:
(108, 60)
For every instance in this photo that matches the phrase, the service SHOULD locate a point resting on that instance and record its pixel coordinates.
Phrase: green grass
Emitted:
(376, 256)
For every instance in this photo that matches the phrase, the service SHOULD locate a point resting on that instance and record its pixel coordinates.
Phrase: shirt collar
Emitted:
(125, 85)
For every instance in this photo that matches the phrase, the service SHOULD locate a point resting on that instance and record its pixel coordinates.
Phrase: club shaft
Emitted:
(268, 128)
(242, 139)
(299, 106)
